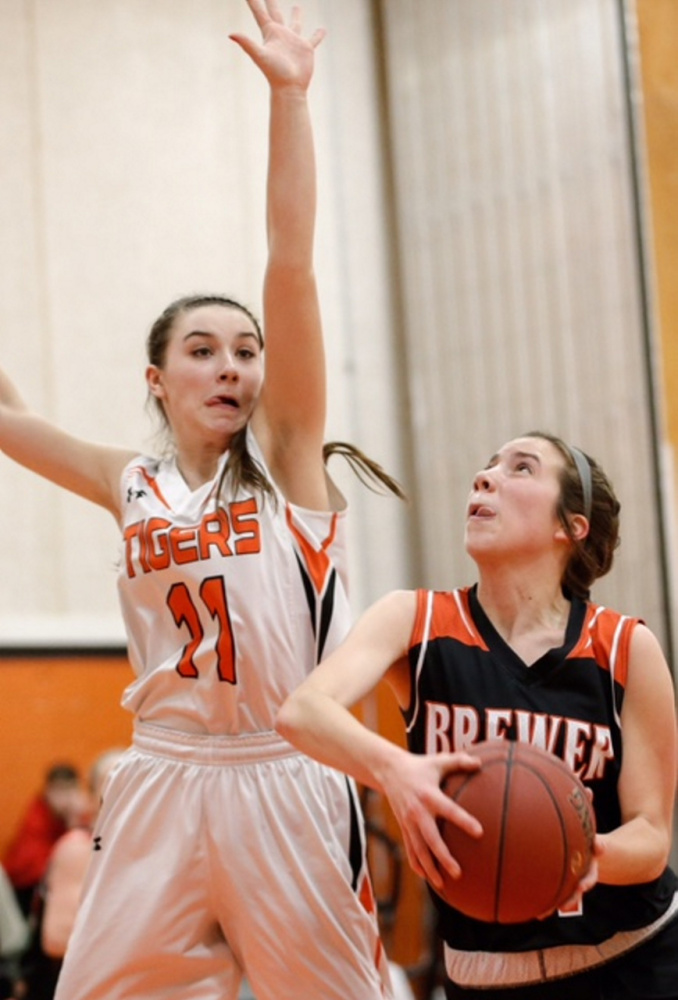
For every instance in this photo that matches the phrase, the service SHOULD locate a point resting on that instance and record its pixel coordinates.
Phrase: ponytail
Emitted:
(369, 472)
(243, 470)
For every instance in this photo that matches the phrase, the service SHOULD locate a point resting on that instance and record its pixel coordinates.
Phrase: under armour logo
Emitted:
(134, 494)
(96, 846)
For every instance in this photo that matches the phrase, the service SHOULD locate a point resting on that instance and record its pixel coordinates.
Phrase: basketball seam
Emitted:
(502, 837)
(561, 823)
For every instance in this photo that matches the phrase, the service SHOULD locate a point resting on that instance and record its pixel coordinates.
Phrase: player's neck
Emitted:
(197, 468)
(530, 615)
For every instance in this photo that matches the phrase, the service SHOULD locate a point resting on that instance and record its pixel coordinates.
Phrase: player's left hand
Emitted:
(284, 56)
(574, 903)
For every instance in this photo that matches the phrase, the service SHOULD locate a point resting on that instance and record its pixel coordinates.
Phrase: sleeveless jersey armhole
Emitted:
(420, 633)
(619, 663)
(610, 635)
(621, 653)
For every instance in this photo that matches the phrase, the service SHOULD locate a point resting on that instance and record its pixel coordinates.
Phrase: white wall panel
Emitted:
(521, 282)
(132, 170)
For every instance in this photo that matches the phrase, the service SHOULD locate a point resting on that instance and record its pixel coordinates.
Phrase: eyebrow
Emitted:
(212, 336)
(515, 455)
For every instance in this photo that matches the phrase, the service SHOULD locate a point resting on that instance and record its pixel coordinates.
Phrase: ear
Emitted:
(579, 529)
(579, 526)
(154, 381)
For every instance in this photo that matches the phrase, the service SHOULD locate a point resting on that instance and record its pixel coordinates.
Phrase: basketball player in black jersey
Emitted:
(524, 655)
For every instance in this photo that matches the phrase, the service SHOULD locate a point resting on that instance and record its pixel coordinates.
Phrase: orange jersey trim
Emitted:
(152, 484)
(606, 635)
(451, 619)
(317, 561)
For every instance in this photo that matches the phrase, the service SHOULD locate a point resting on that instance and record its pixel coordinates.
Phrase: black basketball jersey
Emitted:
(468, 685)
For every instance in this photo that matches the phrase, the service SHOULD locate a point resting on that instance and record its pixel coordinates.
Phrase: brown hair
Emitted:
(242, 469)
(593, 555)
(369, 472)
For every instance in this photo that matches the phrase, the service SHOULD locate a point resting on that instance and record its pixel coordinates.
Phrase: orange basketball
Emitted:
(538, 834)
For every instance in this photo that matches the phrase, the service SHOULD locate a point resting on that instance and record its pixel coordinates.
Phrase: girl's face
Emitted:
(211, 376)
(513, 503)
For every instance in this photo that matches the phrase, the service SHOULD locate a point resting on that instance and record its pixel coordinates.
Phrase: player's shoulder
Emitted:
(452, 615)
(141, 464)
(606, 636)
(437, 614)
(606, 625)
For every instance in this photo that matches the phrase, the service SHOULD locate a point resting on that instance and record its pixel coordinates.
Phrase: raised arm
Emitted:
(316, 719)
(92, 471)
(290, 417)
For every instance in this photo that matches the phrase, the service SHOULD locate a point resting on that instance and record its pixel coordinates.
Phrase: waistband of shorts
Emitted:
(208, 748)
(480, 969)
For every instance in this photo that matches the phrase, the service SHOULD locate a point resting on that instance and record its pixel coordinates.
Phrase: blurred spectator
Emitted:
(59, 806)
(56, 903)
(14, 934)
(68, 865)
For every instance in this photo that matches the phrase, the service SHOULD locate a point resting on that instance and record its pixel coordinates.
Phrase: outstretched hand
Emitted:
(284, 56)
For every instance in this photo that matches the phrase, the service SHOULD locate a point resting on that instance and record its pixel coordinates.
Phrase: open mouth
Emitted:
(480, 510)
(227, 401)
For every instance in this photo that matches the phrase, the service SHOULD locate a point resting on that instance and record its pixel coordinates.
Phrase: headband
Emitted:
(584, 470)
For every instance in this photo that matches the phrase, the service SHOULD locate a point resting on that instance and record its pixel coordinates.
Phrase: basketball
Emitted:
(538, 834)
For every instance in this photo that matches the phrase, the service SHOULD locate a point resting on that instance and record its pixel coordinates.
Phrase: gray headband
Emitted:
(584, 470)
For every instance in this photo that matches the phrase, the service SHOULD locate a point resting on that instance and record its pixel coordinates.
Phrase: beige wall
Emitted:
(497, 289)
(522, 285)
(521, 290)
(133, 138)
(496, 286)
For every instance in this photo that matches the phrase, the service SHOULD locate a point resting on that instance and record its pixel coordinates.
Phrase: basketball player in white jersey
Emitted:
(219, 849)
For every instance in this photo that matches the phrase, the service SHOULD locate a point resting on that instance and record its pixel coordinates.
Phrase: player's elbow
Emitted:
(657, 842)
(652, 865)
(295, 720)
(662, 855)
(288, 720)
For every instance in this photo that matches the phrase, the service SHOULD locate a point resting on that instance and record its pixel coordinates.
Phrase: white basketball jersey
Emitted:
(227, 607)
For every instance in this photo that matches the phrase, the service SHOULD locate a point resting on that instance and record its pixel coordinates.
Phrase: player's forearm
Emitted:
(291, 186)
(322, 728)
(635, 852)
